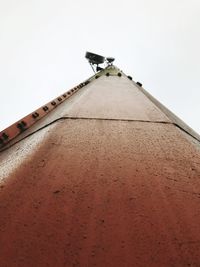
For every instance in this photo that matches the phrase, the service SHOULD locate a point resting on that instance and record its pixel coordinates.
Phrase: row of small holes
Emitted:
(22, 125)
(108, 74)
(3, 138)
(45, 108)
(35, 115)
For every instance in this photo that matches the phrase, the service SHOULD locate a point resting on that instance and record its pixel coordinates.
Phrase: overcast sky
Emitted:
(43, 43)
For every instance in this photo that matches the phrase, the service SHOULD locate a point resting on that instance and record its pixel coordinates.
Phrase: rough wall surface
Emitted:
(111, 181)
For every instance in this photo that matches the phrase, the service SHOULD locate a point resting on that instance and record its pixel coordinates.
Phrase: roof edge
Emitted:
(19, 127)
(175, 119)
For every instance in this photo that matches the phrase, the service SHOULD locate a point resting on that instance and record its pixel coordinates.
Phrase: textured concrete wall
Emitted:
(109, 180)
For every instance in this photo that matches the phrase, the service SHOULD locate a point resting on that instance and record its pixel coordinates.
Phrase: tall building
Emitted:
(104, 175)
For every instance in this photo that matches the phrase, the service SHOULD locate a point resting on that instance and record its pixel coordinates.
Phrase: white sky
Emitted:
(43, 44)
